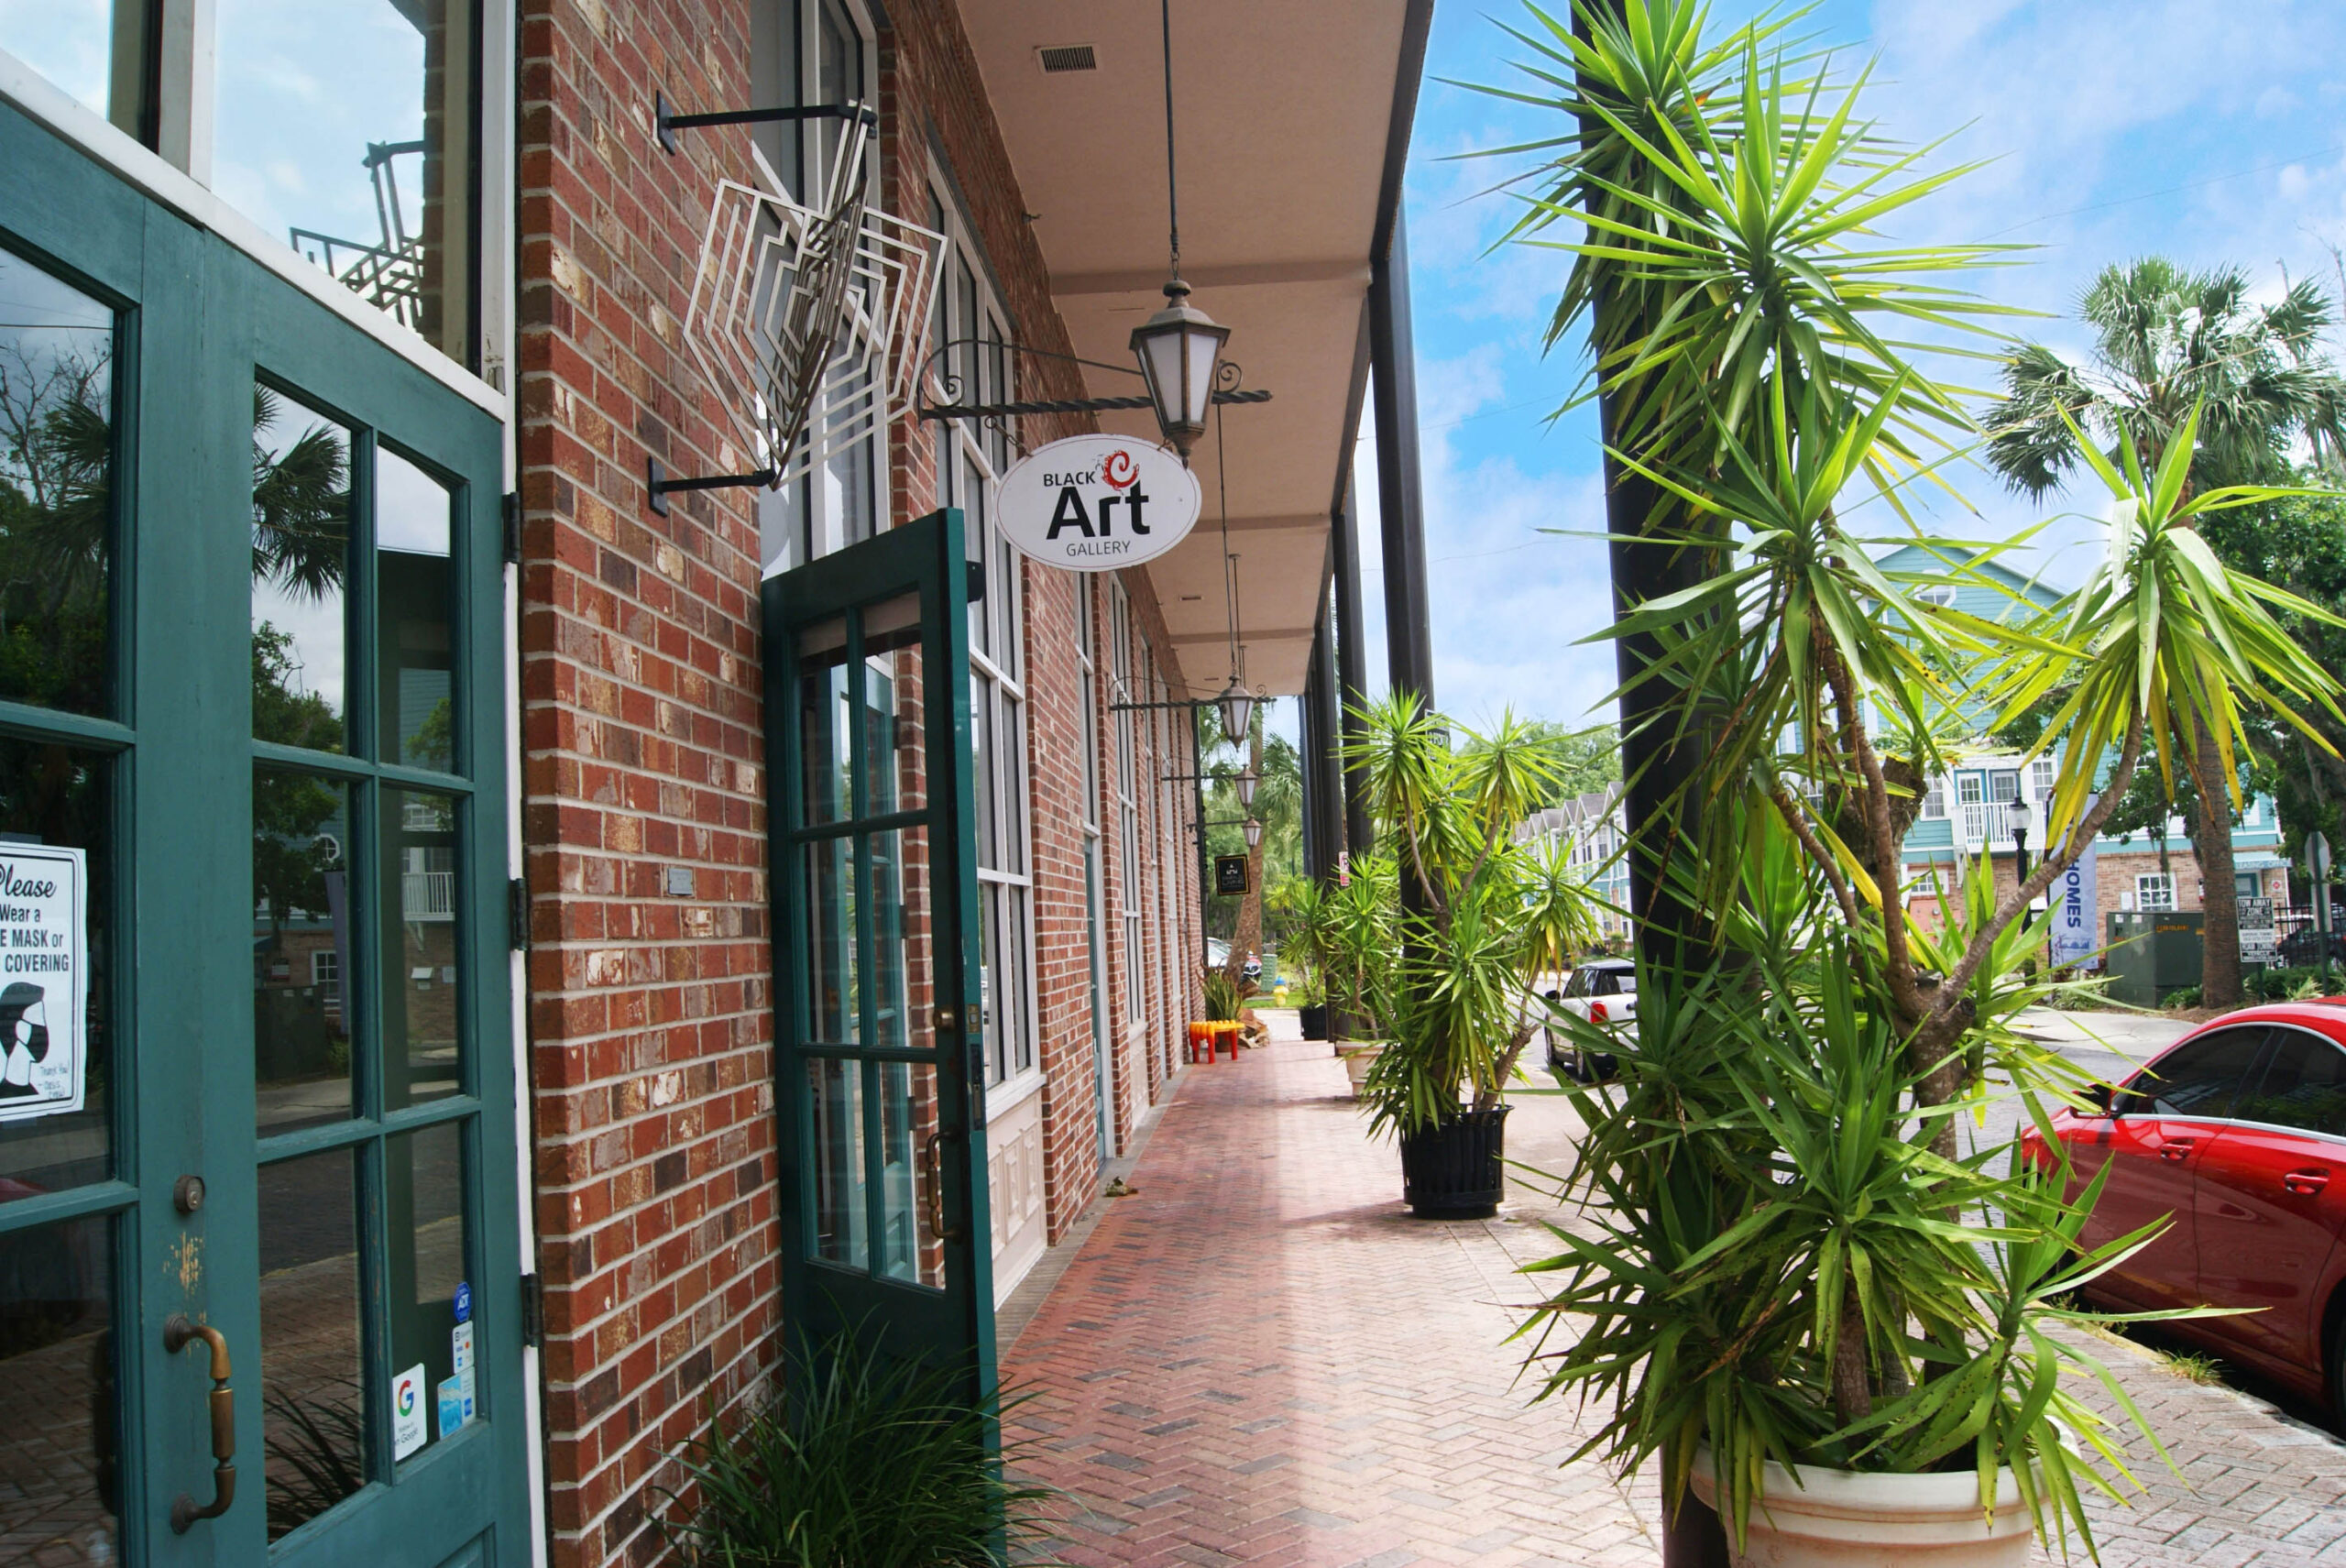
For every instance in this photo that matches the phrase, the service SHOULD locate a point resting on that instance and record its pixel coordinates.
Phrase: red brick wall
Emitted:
(652, 1031)
(650, 1060)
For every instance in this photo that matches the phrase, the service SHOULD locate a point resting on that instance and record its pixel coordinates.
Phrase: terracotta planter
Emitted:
(1359, 1056)
(1840, 1518)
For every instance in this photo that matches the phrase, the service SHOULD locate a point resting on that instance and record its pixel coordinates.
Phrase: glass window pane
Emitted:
(312, 1393)
(2304, 1088)
(981, 754)
(823, 734)
(301, 571)
(826, 884)
(423, 981)
(57, 1376)
(893, 950)
(94, 49)
(302, 968)
(347, 126)
(415, 605)
(56, 490)
(56, 1084)
(834, 1098)
(910, 1150)
(1013, 925)
(989, 978)
(423, 1217)
(2199, 1080)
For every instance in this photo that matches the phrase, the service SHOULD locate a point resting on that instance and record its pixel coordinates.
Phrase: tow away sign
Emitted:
(1098, 503)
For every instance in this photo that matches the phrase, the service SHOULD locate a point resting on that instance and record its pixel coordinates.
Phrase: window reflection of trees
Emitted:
(56, 494)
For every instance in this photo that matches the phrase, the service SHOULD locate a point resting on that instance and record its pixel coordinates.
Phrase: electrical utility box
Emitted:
(2153, 954)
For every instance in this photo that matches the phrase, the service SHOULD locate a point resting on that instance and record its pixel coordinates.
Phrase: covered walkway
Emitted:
(1259, 1358)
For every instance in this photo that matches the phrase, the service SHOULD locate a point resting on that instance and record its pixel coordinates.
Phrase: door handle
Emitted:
(178, 1334)
(2177, 1149)
(933, 1155)
(2305, 1183)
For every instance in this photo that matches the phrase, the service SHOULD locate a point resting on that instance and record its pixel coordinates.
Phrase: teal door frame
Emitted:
(197, 321)
(949, 1322)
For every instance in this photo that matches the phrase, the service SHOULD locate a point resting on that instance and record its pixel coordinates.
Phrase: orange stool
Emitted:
(1202, 1034)
(1229, 1029)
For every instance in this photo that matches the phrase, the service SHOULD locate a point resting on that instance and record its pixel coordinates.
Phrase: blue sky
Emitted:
(2206, 133)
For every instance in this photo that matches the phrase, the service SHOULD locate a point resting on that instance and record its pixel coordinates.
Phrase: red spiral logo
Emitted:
(1120, 470)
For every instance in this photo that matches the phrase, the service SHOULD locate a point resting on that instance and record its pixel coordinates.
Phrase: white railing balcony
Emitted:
(428, 895)
(1985, 824)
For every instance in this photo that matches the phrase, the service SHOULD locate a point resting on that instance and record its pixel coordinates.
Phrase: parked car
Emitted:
(2238, 1131)
(2301, 949)
(1603, 992)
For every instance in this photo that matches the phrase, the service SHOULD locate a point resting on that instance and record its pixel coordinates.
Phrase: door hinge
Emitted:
(517, 914)
(512, 528)
(533, 1310)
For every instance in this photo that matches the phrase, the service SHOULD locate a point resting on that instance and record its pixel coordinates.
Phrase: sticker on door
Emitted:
(410, 1427)
(44, 988)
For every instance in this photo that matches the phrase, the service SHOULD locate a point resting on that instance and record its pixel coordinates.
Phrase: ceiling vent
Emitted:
(1067, 57)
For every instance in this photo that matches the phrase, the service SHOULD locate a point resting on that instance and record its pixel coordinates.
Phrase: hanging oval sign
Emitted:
(1098, 503)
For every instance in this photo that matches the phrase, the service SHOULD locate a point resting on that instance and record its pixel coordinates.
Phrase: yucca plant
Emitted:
(1799, 1268)
(869, 1462)
(1475, 916)
(1222, 1001)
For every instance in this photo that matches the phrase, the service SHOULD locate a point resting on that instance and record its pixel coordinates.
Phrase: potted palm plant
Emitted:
(1811, 1304)
(1466, 920)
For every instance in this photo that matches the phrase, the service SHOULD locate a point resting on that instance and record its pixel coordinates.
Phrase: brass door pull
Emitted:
(934, 1152)
(178, 1334)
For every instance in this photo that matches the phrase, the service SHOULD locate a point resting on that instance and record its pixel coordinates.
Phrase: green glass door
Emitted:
(882, 1078)
(256, 1077)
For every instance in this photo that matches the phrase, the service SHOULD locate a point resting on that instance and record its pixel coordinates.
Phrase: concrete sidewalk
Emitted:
(1259, 1358)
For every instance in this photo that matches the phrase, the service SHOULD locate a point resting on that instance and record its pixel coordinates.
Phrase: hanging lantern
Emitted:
(1254, 834)
(1237, 706)
(1246, 781)
(1180, 348)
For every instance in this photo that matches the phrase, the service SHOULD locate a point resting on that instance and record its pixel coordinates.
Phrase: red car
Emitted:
(2239, 1132)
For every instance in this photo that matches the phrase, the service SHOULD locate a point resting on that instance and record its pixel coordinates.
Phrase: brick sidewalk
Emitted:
(1259, 1358)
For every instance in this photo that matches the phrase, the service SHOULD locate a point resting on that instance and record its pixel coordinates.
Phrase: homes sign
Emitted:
(1098, 503)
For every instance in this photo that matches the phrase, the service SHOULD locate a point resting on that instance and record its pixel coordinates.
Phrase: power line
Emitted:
(2169, 191)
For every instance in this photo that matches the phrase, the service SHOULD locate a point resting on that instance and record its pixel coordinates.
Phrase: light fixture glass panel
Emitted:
(1203, 350)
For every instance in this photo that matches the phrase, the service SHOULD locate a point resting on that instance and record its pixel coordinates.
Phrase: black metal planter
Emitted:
(1315, 1020)
(1454, 1169)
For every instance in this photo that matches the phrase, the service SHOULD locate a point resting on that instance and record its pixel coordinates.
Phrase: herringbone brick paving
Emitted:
(1259, 1358)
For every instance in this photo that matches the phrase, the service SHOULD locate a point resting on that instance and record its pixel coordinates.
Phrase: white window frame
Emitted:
(325, 966)
(969, 463)
(176, 172)
(1934, 800)
(2154, 891)
(812, 516)
(1123, 688)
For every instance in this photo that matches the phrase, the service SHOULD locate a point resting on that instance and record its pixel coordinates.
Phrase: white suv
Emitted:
(1603, 993)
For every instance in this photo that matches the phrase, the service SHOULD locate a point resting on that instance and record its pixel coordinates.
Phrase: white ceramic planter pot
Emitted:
(1358, 1060)
(1838, 1518)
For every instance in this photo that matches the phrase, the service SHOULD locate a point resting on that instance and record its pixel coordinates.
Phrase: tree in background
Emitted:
(1279, 806)
(2170, 345)
(1583, 762)
(2299, 545)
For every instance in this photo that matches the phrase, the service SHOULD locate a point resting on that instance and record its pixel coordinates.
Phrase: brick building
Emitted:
(668, 920)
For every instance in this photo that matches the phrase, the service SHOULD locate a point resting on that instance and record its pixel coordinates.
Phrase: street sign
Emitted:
(2317, 856)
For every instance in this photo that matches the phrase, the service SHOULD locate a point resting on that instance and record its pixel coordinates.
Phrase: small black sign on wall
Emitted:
(1229, 875)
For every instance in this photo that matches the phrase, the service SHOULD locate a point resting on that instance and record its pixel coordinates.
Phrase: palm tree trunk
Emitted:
(2219, 984)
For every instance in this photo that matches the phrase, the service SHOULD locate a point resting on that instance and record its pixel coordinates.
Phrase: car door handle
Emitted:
(2305, 1183)
(2177, 1149)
